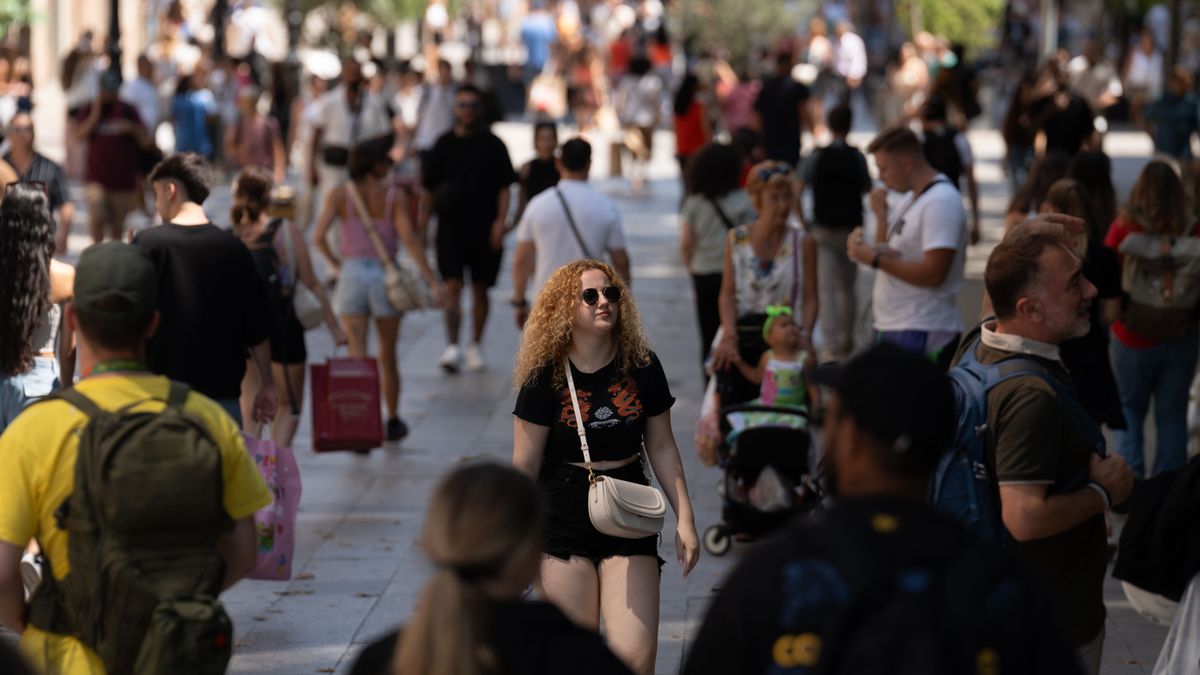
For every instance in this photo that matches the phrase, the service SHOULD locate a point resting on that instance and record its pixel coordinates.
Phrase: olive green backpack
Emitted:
(142, 527)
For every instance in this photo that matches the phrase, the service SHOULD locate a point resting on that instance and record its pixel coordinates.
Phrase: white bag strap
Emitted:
(583, 444)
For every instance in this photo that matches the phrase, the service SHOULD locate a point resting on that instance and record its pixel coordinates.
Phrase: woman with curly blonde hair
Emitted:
(585, 319)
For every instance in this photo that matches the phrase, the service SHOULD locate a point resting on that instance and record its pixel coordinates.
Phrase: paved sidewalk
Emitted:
(358, 570)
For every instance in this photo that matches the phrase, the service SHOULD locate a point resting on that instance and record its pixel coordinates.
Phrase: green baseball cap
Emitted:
(115, 270)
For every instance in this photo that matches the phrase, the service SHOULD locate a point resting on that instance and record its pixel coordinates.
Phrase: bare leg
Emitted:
(629, 605)
(453, 311)
(283, 429)
(574, 587)
(355, 326)
(479, 311)
(388, 329)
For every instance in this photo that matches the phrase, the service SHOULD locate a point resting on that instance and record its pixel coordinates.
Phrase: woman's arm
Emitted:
(687, 242)
(812, 302)
(322, 232)
(412, 243)
(668, 469)
(304, 270)
(529, 446)
(726, 351)
(62, 281)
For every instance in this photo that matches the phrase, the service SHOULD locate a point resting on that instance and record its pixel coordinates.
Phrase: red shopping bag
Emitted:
(345, 405)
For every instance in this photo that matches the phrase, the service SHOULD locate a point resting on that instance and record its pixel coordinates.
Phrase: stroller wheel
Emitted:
(717, 541)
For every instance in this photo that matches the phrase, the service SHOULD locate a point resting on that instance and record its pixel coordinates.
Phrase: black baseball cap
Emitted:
(115, 270)
(903, 399)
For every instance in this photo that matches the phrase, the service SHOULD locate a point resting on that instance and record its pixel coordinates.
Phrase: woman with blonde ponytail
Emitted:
(484, 535)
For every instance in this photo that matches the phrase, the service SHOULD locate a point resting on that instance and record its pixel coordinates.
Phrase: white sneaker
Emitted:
(450, 359)
(474, 357)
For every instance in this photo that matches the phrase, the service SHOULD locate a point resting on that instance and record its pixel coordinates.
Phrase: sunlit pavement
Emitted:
(358, 566)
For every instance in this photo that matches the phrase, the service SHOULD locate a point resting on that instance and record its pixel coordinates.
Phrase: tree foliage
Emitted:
(974, 23)
(739, 26)
(15, 13)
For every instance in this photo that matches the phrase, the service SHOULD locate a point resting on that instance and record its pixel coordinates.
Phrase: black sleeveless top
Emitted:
(543, 175)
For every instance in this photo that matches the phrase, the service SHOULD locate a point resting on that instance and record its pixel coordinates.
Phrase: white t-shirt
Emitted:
(435, 115)
(339, 125)
(142, 96)
(545, 224)
(937, 220)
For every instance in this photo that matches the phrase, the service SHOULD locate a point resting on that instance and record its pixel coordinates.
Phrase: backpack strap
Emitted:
(177, 394)
(83, 403)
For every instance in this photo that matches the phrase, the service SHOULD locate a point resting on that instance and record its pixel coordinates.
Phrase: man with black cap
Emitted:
(115, 137)
(879, 582)
(112, 313)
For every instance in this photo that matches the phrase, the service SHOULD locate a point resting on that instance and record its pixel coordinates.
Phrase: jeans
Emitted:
(232, 406)
(1018, 159)
(836, 276)
(18, 391)
(708, 292)
(1164, 373)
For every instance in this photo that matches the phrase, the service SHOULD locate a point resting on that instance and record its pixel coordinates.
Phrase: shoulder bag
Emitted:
(404, 289)
(721, 212)
(574, 228)
(618, 508)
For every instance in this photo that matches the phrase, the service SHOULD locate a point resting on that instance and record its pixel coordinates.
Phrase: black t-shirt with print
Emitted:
(614, 409)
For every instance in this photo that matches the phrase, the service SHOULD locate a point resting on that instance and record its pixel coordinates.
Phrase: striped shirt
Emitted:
(42, 170)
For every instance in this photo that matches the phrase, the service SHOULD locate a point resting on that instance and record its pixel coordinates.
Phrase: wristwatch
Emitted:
(875, 260)
(519, 302)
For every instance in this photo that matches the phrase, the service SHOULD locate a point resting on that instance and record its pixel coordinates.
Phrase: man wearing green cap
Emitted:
(112, 314)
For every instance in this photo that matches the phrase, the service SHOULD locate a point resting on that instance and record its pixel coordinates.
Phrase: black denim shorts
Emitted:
(569, 530)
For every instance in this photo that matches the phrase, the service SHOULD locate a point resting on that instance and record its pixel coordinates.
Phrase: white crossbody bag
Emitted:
(618, 508)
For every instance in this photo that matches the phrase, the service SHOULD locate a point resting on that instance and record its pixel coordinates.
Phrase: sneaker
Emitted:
(474, 358)
(396, 429)
(450, 359)
(31, 572)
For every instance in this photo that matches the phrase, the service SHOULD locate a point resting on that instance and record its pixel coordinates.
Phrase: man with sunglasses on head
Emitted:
(32, 167)
(565, 223)
(466, 179)
(918, 251)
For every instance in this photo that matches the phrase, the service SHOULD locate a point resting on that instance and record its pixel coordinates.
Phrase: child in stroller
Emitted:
(765, 456)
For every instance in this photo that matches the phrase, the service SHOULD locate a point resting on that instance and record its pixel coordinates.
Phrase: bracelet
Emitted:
(519, 302)
(875, 260)
(1103, 492)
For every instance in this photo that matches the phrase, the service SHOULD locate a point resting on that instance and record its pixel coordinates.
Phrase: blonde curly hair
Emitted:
(547, 334)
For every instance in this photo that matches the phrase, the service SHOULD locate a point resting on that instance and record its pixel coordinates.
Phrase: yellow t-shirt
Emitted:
(37, 462)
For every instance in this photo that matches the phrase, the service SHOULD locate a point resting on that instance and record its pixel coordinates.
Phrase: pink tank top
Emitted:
(356, 243)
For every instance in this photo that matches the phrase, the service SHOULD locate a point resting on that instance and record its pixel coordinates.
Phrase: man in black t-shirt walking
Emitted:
(879, 582)
(466, 177)
(839, 179)
(782, 112)
(211, 300)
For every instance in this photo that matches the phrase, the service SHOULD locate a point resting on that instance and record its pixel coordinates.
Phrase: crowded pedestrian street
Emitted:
(358, 565)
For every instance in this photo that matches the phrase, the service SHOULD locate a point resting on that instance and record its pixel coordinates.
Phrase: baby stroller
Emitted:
(772, 444)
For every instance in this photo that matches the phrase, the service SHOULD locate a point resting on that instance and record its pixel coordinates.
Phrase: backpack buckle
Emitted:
(980, 470)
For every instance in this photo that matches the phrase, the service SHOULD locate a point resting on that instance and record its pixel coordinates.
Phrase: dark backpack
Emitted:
(964, 486)
(142, 523)
(271, 269)
(942, 153)
(924, 599)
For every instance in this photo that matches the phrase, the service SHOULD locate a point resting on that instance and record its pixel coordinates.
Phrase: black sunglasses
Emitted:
(592, 295)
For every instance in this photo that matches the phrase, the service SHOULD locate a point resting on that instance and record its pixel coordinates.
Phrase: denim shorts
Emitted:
(18, 391)
(569, 530)
(360, 290)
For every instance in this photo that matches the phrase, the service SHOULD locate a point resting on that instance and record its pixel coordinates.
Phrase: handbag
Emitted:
(345, 405)
(404, 289)
(275, 525)
(305, 304)
(618, 508)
